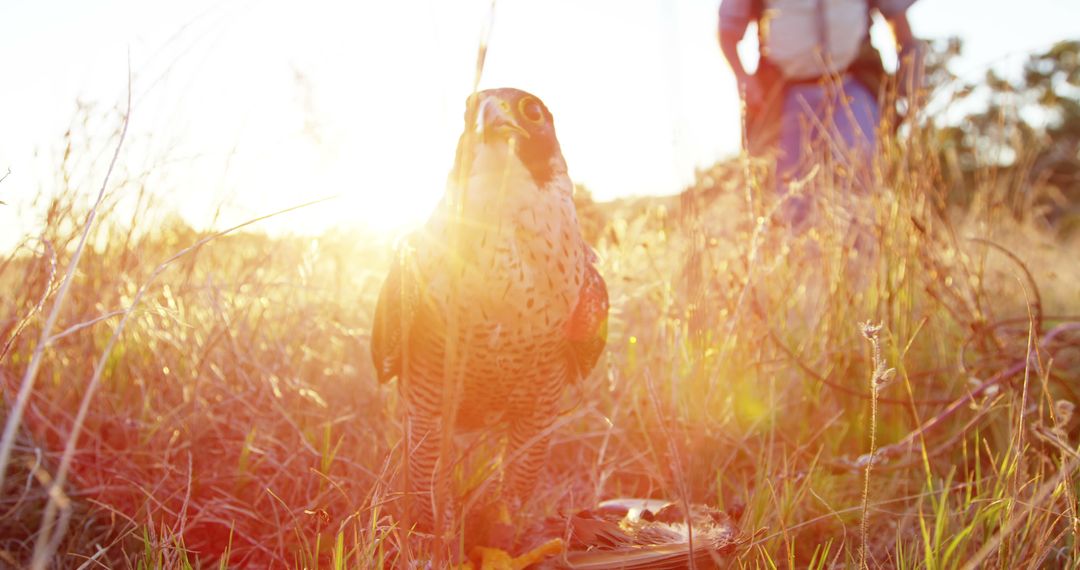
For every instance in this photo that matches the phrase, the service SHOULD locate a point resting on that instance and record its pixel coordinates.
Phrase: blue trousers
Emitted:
(832, 122)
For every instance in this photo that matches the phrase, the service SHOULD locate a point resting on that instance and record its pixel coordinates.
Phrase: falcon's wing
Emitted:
(587, 329)
(399, 301)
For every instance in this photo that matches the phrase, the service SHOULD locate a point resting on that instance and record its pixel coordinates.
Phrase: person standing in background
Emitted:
(817, 82)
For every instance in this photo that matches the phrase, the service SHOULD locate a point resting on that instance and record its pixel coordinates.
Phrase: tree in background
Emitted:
(1026, 129)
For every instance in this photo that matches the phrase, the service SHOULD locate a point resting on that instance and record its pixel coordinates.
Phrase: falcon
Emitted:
(493, 307)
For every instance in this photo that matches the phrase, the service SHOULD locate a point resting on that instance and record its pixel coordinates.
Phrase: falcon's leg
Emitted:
(492, 525)
(527, 451)
(527, 448)
(529, 434)
(423, 455)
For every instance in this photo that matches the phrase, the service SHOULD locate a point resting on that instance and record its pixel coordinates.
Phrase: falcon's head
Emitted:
(509, 190)
(506, 130)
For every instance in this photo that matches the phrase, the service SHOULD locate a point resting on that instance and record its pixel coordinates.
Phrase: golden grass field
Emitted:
(236, 421)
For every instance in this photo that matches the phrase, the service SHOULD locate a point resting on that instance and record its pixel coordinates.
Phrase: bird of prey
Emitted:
(494, 306)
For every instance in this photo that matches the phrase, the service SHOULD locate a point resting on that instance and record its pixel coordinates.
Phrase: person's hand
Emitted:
(752, 91)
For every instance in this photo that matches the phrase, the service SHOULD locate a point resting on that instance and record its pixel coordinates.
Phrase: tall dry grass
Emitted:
(238, 423)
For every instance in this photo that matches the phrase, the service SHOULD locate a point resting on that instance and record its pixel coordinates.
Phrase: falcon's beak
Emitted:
(495, 118)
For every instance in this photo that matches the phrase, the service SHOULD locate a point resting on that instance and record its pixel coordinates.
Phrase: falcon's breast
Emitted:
(502, 262)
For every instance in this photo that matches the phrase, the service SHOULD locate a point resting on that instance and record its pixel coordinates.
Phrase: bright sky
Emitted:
(260, 105)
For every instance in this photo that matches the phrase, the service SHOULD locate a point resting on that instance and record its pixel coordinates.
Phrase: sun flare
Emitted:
(232, 333)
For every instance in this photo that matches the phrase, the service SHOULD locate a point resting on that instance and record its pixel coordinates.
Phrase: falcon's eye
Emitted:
(530, 108)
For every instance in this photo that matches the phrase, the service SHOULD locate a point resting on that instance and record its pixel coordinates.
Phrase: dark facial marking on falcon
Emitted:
(513, 115)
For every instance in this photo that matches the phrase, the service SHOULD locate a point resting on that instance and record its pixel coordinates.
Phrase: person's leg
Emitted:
(800, 109)
(855, 117)
(819, 119)
(855, 126)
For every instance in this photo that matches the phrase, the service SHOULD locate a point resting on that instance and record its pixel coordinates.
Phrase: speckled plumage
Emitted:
(518, 296)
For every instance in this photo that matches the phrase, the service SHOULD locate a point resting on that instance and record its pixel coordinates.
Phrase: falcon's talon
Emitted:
(498, 559)
(502, 514)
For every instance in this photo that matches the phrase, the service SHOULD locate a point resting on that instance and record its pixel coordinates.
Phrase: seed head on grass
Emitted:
(881, 376)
